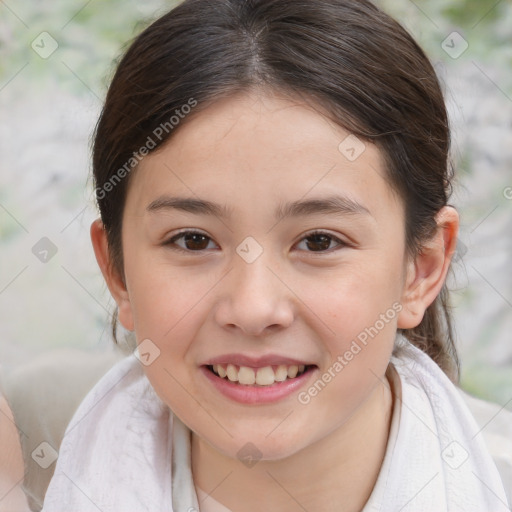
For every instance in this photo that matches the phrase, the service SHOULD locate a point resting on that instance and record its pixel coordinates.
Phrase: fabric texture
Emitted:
(496, 425)
(125, 450)
(436, 458)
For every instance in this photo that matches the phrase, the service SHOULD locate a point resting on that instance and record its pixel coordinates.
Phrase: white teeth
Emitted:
(281, 373)
(232, 373)
(265, 376)
(246, 376)
(292, 371)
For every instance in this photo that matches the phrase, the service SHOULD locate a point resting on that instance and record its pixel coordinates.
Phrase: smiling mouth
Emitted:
(265, 376)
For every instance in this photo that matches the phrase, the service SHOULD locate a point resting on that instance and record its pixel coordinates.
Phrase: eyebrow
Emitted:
(334, 205)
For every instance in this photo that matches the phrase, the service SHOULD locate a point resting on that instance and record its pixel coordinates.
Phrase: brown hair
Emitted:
(356, 64)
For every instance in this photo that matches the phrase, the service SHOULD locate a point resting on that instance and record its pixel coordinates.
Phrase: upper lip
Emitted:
(255, 362)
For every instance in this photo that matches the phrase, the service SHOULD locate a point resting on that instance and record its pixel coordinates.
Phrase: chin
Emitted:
(251, 449)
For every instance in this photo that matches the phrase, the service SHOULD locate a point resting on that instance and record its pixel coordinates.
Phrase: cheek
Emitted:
(162, 297)
(362, 309)
(356, 297)
(169, 307)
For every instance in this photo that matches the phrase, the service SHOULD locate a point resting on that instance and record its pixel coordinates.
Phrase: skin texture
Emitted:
(254, 152)
(11, 463)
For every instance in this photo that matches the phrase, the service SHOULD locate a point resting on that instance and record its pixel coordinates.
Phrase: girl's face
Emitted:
(262, 235)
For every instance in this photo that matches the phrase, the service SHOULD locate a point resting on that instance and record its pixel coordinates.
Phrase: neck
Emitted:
(336, 474)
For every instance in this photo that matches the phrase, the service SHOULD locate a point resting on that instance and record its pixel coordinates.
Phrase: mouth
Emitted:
(266, 376)
(257, 379)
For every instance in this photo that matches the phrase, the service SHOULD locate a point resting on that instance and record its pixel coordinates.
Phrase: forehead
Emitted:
(262, 148)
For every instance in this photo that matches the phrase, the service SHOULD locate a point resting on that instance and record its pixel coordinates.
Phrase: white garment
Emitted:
(496, 424)
(125, 451)
(436, 459)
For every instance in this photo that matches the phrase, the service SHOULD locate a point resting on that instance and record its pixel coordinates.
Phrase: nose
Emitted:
(254, 299)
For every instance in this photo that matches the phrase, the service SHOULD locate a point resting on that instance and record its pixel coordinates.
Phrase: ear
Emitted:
(426, 274)
(114, 281)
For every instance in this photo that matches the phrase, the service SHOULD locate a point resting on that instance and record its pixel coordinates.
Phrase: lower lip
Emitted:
(257, 394)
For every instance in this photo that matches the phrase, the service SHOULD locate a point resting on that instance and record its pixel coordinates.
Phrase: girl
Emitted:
(273, 183)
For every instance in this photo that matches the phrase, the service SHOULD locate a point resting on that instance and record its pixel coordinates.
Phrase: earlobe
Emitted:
(115, 283)
(427, 273)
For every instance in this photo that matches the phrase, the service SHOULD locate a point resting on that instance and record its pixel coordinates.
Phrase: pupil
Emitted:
(194, 241)
(320, 242)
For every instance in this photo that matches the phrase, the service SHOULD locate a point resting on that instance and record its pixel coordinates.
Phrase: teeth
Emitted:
(281, 373)
(246, 376)
(292, 371)
(232, 373)
(265, 376)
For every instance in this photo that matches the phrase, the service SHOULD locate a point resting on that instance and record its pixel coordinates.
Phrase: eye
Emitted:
(195, 241)
(192, 241)
(320, 241)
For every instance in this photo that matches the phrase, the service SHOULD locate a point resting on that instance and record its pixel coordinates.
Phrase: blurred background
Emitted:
(56, 59)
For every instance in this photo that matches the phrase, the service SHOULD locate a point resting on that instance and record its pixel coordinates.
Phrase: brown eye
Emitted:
(320, 242)
(195, 242)
(191, 241)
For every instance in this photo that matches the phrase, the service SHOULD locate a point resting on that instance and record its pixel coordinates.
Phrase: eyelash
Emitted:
(171, 242)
